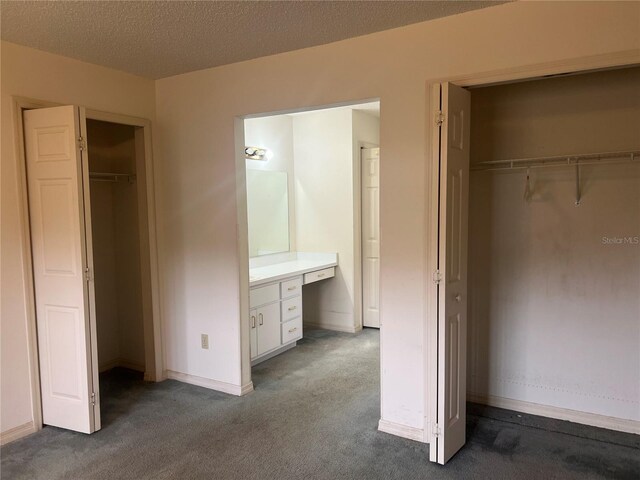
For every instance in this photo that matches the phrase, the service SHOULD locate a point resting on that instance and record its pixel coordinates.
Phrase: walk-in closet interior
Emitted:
(116, 245)
(554, 254)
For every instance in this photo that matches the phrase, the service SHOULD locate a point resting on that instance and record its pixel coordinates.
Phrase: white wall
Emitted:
(104, 264)
(366, 133)
(323, 156)
(31, 73)
(196, 150)
(276, 134)
(554, 314)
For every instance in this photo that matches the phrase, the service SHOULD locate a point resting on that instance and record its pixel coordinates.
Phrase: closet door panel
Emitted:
(56, 211)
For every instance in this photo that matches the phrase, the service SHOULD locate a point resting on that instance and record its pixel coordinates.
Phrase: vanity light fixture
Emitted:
(255, 153)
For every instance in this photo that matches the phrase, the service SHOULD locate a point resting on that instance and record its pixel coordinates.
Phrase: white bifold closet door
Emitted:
(57, 175)
(452, 267)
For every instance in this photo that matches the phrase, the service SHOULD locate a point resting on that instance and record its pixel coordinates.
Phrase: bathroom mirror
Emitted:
(267, 212)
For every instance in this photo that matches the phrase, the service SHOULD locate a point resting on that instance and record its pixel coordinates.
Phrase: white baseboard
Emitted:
(593, 419)
(272, 354)
(224, 387)
(248, 388)
(17, 432)
(333, 326)
(121, 362)
(404, 431)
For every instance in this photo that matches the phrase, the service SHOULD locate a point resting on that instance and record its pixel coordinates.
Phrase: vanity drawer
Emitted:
(291, 288)
(262, 295)
(291, 308)
(319, 275)
(292, 330)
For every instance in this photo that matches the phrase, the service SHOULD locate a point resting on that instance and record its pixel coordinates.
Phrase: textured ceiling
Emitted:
(157, 39)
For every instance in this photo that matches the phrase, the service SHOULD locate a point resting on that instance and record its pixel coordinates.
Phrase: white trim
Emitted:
(223, 387)
(246, 388)
(273, 353)
(404, 431)
(121, 362)
(586, 418)
(153, 341)
(523, 72)
(334, 326)
(17, 432)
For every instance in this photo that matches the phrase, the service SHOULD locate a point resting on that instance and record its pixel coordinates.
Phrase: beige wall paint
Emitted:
(595, 112)
(323, 151)
(554, 313)
(31, 73)
(196, 151)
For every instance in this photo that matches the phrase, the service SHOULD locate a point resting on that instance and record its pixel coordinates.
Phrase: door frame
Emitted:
(154, 338)
(577, 65)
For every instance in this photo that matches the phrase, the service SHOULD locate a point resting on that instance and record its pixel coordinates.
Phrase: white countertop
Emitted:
(281, 266)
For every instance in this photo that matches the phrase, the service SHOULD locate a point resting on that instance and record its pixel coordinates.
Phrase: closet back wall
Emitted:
(116, 248)
(554, 309)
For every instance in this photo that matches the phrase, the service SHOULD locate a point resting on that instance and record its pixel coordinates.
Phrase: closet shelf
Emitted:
(111, 177)
(560, 161)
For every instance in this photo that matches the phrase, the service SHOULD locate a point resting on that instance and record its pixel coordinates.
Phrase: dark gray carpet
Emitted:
(313, 415)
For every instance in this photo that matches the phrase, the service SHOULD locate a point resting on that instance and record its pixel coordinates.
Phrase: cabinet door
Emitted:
(268, 328)
(253, 332)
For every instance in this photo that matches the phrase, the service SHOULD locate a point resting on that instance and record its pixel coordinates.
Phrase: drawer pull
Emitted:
(292, 308)
(320, 275)
(291, 288)
(291, 330)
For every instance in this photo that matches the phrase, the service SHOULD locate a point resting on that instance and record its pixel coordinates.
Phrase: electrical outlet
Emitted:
(204, 340)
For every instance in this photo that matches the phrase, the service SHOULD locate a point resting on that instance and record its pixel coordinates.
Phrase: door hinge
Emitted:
(439, 118)
(435, 430)
(436, 277)
(93, 398)
(82, 143)
(87, 274)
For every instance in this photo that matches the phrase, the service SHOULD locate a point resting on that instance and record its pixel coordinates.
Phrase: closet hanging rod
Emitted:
(111, 177)
(560, 161)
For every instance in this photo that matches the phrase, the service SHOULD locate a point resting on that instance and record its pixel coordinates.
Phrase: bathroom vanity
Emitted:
(275, 298)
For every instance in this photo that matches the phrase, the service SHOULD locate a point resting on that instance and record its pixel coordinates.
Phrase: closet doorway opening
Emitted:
(89, 192)
(547, 313)
(116, 195)
(310, 183)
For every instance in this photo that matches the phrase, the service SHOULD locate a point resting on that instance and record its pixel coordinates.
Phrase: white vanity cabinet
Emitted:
(275, 298)
(265, 329)
(275, 317)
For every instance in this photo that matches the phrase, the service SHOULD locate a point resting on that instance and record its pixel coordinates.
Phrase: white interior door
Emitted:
(371, 237)
(452, 271)
(66, 330)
